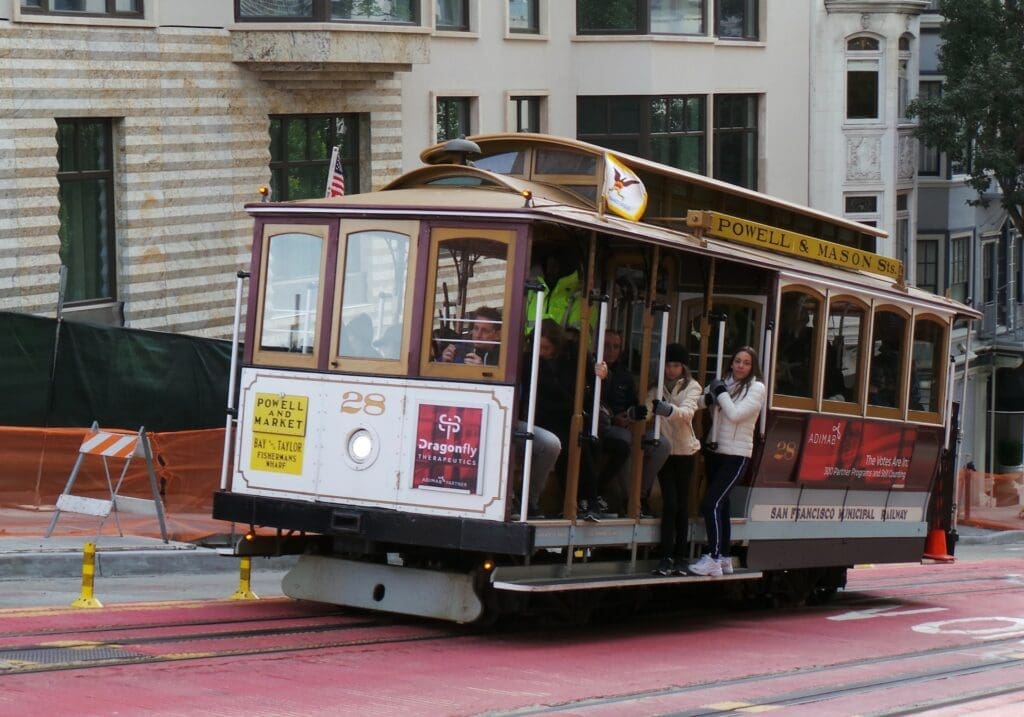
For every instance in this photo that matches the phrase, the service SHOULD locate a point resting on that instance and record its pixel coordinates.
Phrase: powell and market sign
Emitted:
(723, 226)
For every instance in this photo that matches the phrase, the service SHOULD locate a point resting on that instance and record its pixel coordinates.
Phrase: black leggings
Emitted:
(723, 473)
(674, 478)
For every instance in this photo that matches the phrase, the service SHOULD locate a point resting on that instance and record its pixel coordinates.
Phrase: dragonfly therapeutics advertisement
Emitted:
(448, 441)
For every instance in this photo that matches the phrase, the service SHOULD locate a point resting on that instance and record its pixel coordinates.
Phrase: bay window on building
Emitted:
(960, 268)
(88, 243)
(863, 56)
(926, 275)
(300, 154)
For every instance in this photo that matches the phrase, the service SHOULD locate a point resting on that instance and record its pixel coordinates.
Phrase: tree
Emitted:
(980, 112)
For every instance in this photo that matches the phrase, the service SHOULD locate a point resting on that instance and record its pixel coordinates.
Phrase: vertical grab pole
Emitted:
(766, 368)
(718, 372)
(531, 406)
(232, 411)
(661, 368)
(602, 325)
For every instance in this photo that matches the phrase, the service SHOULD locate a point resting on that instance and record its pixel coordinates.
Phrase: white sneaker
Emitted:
(725, 562)
(706, 566)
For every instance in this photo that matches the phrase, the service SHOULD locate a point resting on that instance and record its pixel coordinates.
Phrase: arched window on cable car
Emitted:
(887, 373)
(928, 369)
(798, 339)
(846, 333)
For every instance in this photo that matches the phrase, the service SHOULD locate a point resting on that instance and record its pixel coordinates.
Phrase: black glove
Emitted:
(717, 387)
(708, 399)
(663, 408)
(637, 412)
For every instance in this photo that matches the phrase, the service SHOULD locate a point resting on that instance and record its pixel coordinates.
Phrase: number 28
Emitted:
(372, 404)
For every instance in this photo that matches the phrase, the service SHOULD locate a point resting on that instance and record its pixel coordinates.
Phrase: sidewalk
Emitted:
(25, 553)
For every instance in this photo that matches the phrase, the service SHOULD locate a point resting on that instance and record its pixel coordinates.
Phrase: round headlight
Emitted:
(360, 445)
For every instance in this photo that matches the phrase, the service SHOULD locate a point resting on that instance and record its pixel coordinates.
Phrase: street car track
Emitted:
(743, 700)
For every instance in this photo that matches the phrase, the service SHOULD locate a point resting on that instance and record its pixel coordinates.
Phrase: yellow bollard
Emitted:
(244, 591)
(86, 599)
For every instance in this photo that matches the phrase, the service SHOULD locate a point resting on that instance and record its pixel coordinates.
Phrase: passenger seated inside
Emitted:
(797, 317)
(357, 338)
(887, 363)
(483, 346)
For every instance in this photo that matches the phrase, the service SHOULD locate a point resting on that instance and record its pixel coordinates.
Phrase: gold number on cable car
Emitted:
(785, 451)
(372, 404)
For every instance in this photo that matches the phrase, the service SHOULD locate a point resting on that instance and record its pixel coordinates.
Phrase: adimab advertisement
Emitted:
(853, 450)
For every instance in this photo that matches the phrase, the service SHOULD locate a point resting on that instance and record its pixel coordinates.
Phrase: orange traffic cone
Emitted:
(935, 547)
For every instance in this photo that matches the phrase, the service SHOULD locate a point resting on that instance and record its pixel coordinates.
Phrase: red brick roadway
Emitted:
(937, 634)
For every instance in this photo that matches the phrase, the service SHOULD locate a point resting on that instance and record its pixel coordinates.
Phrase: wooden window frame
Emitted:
(399, 366)
(900, 410)
(327, 232)
(805, 403)
(941, 373)
(851, 408)
(464, 372)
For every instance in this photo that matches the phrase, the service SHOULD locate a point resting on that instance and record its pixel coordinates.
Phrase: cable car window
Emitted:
(561, 162)
(468, 302)
(373, 301)
(888, 350)
(927, 371)
(842, 353)
(503, 163)
(291, 293)
(799, 319)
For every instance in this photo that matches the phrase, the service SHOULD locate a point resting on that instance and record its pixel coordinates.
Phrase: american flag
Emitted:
(336, 177)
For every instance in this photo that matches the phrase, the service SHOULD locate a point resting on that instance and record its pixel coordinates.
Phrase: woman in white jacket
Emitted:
(680, 399)
(738, 399)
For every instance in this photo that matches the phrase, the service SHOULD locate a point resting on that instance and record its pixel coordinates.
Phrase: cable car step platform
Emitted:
(590, 576)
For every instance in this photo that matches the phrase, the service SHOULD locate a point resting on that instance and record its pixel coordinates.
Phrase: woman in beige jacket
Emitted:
(680, 399)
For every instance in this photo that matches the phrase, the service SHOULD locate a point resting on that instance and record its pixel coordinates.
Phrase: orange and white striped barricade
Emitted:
(112, 446)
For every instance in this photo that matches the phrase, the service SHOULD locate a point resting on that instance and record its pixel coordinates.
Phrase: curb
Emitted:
(995, 537)
(130, 563)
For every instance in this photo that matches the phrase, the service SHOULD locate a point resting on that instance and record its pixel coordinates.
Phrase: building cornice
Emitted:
(905, 7)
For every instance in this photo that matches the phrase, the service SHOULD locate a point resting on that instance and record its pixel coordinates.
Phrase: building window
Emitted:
(452, 118)
(902, 248)
(452, 15)
(398, 12)
(85, 173)
(640, 17)
(929, 160)
(118, 8)
(526, 111)
(524, 16)
(927, 268)
(959, 269)
(736, 19)
(735, 139)
(300, 152)
(861, 208)
(670, 130)
(862, 60)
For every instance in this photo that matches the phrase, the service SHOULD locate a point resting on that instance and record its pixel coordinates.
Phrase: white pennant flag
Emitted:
(624, 193)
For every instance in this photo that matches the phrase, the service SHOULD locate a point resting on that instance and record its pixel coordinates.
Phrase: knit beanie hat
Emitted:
(676, 353)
